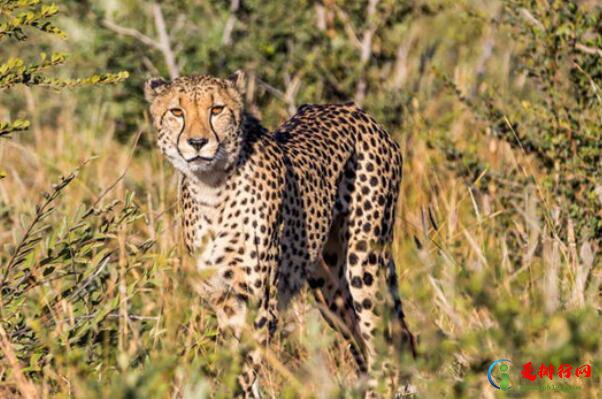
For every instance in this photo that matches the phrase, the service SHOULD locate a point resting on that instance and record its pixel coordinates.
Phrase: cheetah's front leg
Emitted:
(263, 328)
(247, 283)
(232, 308)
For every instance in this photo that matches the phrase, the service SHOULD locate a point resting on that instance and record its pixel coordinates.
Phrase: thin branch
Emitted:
(150, 66)
(271, 89)
(595, 87)
(366, 43)
(33, 234)
(141, 37)
(229, 26)
(320, 17)
(288, 96)
(102, 264)
(122, 175)
(588, 50)
(162, 43)
(355, 41)
(400, 70)
(530, 18)
(26, 388)
(366, 51)
(168, 53)
(292, 88)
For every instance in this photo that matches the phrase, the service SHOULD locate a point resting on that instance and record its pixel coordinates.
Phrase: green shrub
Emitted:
(556, 120)
(16, 18)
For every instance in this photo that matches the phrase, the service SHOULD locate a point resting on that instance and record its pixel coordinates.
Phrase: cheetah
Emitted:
(309, 204)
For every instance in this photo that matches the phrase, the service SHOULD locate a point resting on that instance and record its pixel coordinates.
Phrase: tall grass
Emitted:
(99, 299)
(107, 304)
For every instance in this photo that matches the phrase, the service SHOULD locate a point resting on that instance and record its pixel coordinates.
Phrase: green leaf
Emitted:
(6, 128)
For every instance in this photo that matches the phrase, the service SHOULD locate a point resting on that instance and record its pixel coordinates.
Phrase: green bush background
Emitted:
(497, 106)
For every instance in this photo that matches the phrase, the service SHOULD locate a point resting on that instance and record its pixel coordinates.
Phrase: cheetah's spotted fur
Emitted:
(312, 202)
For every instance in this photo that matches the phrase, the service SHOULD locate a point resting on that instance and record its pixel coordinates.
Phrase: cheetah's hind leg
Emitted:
(330, 289)
(371, 275)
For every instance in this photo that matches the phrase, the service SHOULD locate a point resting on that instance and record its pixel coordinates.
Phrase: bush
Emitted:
(495, 104)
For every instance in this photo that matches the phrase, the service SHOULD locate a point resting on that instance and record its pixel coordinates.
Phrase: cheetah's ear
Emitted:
(239, 81)
(153, 87)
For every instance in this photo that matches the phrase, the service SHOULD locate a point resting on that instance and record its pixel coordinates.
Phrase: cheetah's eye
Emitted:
(177, 112)
(216, 109)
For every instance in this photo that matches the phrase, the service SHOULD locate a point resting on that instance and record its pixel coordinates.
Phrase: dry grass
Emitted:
(466, 297)
(105, 303)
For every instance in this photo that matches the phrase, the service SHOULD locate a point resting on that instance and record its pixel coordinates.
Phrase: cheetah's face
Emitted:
(198, 120)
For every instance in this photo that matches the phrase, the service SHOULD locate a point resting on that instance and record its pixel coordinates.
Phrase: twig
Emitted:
(150, 66)
(589, 50)
(595, 87)
(24, 385)
(112, 186)
(288, 96)
(366, 51)
(320, 17)
(115, 315)
(141, 37)
(355, 41)
(168, 54)
(400, 70)
(532, 19)
(292, 88)
(30, 236)
(229, 26)
(274, 91)
(102, 264)
(161, 44)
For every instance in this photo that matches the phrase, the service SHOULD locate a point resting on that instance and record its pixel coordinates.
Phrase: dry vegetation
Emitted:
(497, 250)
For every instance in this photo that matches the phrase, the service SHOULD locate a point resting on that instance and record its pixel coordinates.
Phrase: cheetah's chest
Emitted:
(221, 225)
(202, 207)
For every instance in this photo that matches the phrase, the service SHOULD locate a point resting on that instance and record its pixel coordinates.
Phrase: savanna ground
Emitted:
(496, 106)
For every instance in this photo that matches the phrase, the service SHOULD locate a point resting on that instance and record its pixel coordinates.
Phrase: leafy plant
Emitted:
(496, 244)
(63, 265)
(557, 121)
(16, 18)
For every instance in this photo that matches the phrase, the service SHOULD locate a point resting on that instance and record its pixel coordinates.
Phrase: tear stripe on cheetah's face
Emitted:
(198, 121)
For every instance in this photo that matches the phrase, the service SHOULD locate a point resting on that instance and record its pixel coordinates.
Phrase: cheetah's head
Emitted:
(198, 119)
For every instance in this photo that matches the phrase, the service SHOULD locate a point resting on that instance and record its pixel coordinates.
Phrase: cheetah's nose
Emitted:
(197, 144)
